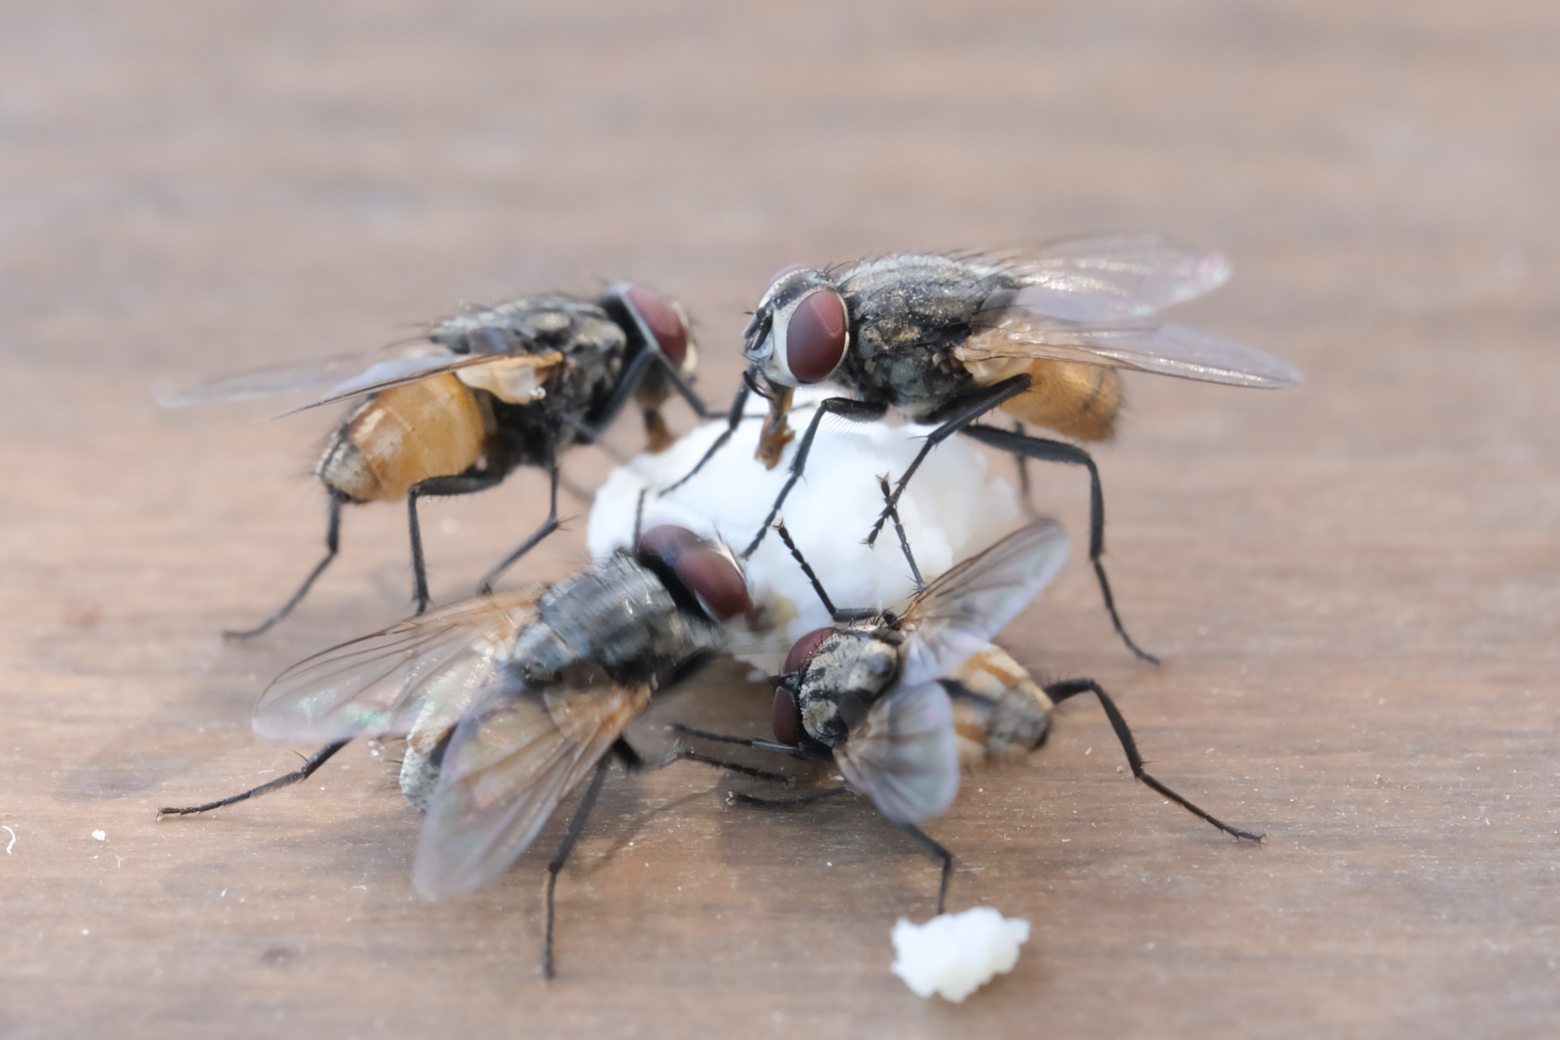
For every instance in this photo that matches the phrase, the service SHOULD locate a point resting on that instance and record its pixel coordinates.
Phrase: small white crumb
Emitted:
(955, 954)
(100, 835)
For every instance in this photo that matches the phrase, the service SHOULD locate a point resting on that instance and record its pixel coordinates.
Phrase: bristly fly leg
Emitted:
(950, 419)
(899, 529)
(1047, 450)
(332, 545)
(576, 825)
(623, 753)
(549, 525)
(932, 848)
(839, 615)
(303, 772)
(733, 420)
(1060, 691)
(629, 382)
(460, 484)
(847, 408)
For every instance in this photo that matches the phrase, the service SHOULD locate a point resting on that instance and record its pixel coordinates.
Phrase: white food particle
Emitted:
(955, 954)
(951, 511)
(100, 835)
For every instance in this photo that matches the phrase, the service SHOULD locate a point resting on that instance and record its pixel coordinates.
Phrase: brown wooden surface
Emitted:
(1354, 582)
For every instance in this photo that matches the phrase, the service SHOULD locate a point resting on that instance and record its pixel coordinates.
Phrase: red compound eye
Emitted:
(815, 336)
(803, 649)
(668, 541)
(787, 718)
(663, 317)
(716, 581)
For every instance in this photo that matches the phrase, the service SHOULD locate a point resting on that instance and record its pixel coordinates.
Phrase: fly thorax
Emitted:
(844, 676)
(619, 615)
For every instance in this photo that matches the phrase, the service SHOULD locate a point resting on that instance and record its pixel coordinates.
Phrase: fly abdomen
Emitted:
(433, 428)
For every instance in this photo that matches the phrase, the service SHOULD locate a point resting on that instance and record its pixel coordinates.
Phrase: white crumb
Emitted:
(955, 954)
(952, 509)
(100, 835)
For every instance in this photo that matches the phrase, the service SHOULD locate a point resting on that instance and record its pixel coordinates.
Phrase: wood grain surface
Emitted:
(1354, 582)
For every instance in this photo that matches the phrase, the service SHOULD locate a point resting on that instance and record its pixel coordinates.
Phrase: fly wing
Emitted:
(399, 372)
(958, 613)
(287, 379)
(380, 683)
(905, 756)
(513, 757)
(1113, 277)
(1163, 348)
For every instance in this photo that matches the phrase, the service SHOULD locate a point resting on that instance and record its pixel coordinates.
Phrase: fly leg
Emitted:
(846, 408)
(1025, 492)
(332, 544)
(549, 525)
(632, 378)
(1060, 451)
(937, 852)
(920, 837)
(576, 825)
(904, 542)
(952, 418)
(733, 420)
(1060, 691)
(460, 484)
(303, 772)
(841, 616)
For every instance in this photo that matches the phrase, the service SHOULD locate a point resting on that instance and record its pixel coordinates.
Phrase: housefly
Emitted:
(948, 339)
(482, 393)
(865, 693)
(509, 701)
(899, 701)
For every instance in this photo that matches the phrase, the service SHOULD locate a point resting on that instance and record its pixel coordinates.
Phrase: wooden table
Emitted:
(1354, 583)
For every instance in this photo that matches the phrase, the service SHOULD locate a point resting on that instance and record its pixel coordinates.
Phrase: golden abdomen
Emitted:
(433, 428)
(1073, 399)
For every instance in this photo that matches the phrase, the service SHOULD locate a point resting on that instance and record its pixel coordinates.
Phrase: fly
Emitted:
(509, 701)
(948, 339)
(485, 392)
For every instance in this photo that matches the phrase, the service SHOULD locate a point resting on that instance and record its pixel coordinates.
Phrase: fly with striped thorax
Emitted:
(948, 339)
(481, 394)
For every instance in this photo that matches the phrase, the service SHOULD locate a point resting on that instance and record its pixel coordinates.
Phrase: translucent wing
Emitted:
(958, 613)
(388, 374)
(905, 756)
(349, 377)
(513, 757)
(1165, 349)
(381, 683)
(287, 379)
(1113, 277)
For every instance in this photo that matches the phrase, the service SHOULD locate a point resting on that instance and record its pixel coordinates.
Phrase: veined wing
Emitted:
(1113, 277)
(291, 378)
(513, 757)
(1163, 348)
(905, 756)
(355, 376)
(380, 683)
(958, 613)
(389, 374)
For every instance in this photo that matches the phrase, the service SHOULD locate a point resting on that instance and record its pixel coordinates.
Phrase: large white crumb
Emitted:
(951, 510)
(956, 954)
